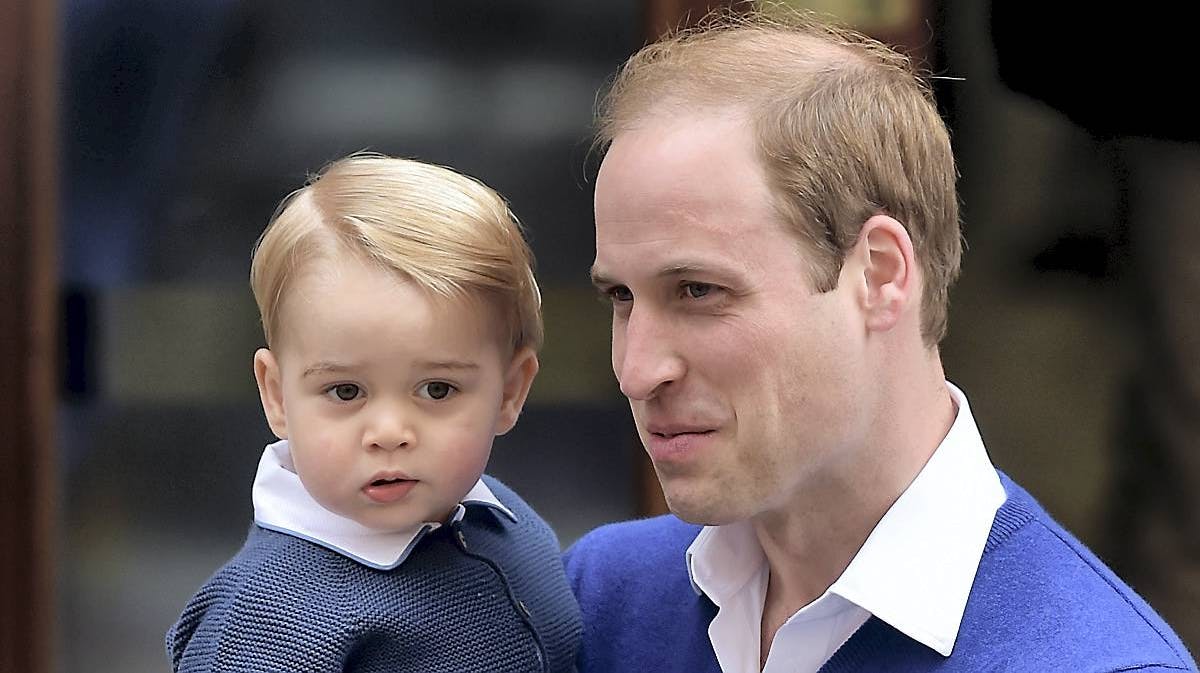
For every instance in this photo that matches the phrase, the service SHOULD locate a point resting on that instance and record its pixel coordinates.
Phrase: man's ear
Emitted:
(888, 263)
(270, 391)
(517, 381)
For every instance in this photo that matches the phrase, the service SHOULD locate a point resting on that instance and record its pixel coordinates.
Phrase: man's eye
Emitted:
(345, 391)
(620, 293)
(697, 290)
(436, 390)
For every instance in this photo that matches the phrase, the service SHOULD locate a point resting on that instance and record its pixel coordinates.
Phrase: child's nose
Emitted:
(389, 429)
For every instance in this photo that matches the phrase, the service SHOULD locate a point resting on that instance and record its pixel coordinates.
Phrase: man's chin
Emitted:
(699, 509)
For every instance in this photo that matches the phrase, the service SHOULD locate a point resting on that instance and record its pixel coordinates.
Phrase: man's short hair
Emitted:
(446, 233)
(846, 129)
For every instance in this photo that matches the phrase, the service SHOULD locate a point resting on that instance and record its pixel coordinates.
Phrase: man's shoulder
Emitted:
(641, 562)
(1041, 594)
(637, 600)
(634, 546)
(635, 567)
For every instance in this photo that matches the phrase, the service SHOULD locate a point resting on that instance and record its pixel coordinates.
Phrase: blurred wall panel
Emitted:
(27, 204)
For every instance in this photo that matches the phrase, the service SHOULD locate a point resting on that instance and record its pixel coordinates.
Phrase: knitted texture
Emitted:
(1040, 602)
(485, 594)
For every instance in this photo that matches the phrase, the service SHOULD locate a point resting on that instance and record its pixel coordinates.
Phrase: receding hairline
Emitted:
(751, 48)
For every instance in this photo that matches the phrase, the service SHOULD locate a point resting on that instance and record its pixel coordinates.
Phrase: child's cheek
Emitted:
(466, 455)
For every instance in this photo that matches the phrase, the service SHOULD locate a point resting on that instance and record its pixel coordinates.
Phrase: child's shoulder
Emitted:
(273, 577)
(523, 511)
(528, 526)
(504, 494)
(276, 564)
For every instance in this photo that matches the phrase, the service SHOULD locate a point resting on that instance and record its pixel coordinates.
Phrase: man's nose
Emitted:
(389, 427)
(646, 360)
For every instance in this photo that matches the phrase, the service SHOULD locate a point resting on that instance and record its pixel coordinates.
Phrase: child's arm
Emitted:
(262, 616)
(251, 632)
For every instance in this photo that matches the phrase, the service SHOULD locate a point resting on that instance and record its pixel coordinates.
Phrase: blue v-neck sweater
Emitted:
(1041, 601)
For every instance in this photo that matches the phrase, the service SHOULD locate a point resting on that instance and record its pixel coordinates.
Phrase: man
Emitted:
(777, 230)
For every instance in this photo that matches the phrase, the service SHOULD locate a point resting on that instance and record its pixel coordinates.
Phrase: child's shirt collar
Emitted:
(282, 504)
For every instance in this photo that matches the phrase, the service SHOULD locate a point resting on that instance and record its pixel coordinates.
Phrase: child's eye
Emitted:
(436, 390)
(345, 391)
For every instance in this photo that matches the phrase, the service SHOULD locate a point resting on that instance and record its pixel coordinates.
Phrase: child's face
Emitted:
(389, 398)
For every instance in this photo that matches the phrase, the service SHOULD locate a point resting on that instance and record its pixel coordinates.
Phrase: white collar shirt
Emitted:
(914, 571)
(281, 503)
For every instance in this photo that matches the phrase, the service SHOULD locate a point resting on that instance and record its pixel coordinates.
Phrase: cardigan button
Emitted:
(524, 609)
(462, 539)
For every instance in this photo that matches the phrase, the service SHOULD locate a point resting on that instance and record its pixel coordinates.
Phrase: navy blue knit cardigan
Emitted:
(483, 594)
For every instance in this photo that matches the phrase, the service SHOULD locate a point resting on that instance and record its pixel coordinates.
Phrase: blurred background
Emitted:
(146, 144)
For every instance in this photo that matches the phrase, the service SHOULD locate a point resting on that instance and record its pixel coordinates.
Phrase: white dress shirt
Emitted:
(914, 571)
(281, 503)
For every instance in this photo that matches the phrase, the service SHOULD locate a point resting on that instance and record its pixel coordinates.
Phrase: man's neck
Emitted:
(809, 543)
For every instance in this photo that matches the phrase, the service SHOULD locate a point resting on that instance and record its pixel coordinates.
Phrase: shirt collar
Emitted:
(281, 503)
(917, 566)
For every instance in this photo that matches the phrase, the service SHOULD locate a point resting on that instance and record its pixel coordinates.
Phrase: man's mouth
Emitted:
(669, 435)
(672, 443)
(667, 430)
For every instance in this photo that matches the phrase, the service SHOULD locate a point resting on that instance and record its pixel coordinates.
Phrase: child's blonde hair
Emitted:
(447, 233)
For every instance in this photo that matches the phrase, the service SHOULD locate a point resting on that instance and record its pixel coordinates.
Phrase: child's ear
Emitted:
(270, 391)
(517, 381)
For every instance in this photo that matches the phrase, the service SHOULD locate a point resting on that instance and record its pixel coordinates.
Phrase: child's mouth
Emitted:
(388, 489)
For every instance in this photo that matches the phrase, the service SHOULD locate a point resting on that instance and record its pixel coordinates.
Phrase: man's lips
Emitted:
(669, 429)
(671, 433)
(668, 442)
(387, 487)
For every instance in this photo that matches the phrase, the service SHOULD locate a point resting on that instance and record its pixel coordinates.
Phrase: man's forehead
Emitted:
(667, 139)
(686, 198)
(678, 118)
(704, 231)
(687, 251)
(679, 175)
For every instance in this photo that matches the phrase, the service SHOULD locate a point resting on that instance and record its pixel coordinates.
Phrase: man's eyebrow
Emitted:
(599, 279)
(684, 269)
(671, 270)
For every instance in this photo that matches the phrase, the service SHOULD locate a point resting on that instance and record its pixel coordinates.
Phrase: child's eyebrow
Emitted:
(461, 365)
(341, 367)
(326, 368)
